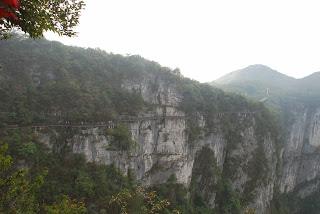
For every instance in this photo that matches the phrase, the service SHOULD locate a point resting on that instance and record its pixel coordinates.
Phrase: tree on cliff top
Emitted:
(34, 17)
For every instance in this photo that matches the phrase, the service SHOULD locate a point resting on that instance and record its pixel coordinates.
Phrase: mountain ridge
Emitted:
(256, 80)
(265, 67)
(246, 73)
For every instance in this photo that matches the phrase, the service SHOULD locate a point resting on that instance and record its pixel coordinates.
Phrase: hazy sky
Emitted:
(207, 38)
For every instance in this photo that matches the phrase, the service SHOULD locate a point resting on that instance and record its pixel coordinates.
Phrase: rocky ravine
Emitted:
(163, 148)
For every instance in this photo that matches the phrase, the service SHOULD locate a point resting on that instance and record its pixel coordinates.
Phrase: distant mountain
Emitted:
(310, 85)
(259, 81)
(259, 73)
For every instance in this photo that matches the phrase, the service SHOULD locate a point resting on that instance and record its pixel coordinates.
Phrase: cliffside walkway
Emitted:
(122, 119)
(108, 124)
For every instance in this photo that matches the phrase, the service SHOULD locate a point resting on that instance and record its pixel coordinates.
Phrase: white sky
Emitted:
(206, 38)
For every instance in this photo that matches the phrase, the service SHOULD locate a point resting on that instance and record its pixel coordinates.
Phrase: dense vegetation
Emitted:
(49, 180)
(61, 79)
(120, 138)
(56, 84)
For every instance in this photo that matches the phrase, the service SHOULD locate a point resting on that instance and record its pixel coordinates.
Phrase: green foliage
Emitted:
(138, 201)
(228, 201)
(218, 108)
(267, 122)
(176, 194)
(28, 149)
(47, 86)
(208, 180)
(292, 202)
(257, 171)
(18, 192)
(66, 206)
(56, 84)
(121, 138)
(84, 184)
(67, 174)
(36, 17)
(249, 211)
(193, 130)
(205, 177)
(68, 84)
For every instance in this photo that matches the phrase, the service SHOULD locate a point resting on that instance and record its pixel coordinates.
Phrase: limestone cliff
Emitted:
(301, 152)
(207, 138)
(163, 148)
(297, 104)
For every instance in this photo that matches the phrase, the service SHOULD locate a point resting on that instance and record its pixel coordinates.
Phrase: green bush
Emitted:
(120, 138)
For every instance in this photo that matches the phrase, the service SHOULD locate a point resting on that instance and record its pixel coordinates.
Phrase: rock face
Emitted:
(163, 149)
(301, 154)
(249, 160)
(237, 148)
(161, 143)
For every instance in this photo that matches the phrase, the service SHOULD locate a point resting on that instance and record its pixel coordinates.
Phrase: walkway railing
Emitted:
(121, 119)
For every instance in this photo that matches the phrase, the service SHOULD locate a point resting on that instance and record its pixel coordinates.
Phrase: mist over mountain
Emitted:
(310, 85)
(256, 72)
(259, 81)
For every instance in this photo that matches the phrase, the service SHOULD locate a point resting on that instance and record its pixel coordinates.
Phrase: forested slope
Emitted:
(168, 133)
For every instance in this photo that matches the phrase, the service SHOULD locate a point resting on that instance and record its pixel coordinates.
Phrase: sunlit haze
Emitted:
(206, 39)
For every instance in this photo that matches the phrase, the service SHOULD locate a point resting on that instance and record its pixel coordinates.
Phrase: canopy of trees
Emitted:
(37, 16)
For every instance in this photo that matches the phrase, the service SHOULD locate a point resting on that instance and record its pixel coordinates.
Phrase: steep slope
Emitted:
(146, 120)
(298, 107)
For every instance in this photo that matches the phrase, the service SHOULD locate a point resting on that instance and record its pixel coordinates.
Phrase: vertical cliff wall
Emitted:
(241, 154)
(301, 154)
(213, 142)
